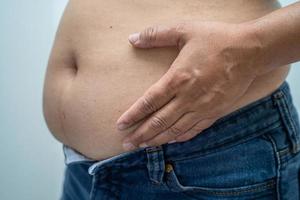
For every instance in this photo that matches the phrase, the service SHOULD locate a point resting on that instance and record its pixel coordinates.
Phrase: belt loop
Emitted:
(281, 103)
(156, 163)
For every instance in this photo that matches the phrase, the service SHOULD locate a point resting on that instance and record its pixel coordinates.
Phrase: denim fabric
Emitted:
(252, 153)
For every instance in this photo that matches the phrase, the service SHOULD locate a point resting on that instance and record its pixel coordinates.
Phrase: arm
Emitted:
(279, 35)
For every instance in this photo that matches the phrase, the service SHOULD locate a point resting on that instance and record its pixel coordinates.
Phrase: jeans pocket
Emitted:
(243, 171)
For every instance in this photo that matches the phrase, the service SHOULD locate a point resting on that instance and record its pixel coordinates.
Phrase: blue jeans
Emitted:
(252, 153)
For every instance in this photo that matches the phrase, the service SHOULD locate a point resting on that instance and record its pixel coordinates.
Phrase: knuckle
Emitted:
(181, 29)
(158, 123)
(183, 77)
(174, 131)
(148, 36)
(180, 78)
(147, 105)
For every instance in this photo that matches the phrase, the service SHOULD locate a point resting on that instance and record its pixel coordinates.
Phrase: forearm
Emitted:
(279, 37)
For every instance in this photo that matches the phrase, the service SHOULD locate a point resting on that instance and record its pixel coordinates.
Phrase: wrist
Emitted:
(253, 35)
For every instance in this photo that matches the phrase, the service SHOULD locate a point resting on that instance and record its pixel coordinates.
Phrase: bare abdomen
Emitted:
(110, 75)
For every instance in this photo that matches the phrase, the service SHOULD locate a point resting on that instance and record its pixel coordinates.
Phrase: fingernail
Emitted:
(143, 145)
(128, 146)
(172, 141)
(122, 126)
(134, 37)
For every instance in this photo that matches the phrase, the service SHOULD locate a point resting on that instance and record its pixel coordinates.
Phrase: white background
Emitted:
(31, 165)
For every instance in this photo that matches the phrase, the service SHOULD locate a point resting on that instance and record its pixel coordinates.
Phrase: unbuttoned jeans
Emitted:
(252, 153)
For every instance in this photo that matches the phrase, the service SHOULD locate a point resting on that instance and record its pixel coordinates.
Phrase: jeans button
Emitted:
(168, 168)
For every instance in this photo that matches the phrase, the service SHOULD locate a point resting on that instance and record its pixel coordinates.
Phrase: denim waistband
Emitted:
(245, 123)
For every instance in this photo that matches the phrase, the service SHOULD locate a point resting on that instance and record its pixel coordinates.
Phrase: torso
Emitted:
(94, 74)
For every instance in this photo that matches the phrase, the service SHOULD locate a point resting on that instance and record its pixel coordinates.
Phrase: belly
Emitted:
(110, 75)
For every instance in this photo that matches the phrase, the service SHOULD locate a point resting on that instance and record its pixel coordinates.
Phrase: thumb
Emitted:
(159, 36)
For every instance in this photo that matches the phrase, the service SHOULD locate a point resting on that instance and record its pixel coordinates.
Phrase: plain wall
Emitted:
(31, 160)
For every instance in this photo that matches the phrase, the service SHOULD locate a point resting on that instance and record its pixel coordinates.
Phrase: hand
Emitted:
(215, 66)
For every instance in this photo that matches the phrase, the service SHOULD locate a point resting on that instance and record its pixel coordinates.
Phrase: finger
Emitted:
(179, 127)
(195, 130)
(153, 99)
(160, 36)
(158, 94)
(157, 123)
